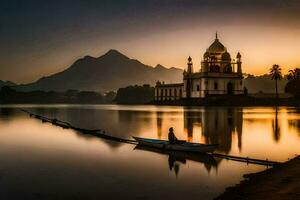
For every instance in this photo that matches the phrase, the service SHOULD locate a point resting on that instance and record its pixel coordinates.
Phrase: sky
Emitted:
(39, 38)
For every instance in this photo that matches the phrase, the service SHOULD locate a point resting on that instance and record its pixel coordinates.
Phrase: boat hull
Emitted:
(186, 146)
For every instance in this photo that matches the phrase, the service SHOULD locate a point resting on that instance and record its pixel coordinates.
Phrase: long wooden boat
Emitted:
(184, 146)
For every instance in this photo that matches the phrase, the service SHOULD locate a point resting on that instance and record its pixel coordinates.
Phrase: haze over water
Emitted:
(42, 161)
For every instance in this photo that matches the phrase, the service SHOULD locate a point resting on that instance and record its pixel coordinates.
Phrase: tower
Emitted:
(239, 63)
(187, 77)
(190, 69)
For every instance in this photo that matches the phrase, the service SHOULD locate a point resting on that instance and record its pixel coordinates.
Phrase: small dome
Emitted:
(238, 55)
(206, 54)
(190, 59)
(226, 56)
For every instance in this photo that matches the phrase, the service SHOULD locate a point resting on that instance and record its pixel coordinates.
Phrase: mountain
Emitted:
(6, 83)
(114, 70)
(107, 72)
(263, 83)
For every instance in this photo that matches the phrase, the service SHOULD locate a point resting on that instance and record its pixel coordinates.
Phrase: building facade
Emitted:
(219, 75)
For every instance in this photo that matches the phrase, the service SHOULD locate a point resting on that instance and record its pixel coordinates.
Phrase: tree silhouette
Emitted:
(293, 85)
(275, 72)
(294, 74)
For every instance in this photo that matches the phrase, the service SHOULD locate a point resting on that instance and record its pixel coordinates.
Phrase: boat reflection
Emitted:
(175, 158)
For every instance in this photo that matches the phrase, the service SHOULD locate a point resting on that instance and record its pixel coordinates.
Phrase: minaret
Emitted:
(190, 69)
(187, 78)
(239, 63)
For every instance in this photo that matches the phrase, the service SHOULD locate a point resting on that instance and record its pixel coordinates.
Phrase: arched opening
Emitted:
(214, 68)
(229, 88)
(228, 69)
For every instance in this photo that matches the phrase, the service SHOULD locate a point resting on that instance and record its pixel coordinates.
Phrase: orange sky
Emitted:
(41, 39)
(260, 47)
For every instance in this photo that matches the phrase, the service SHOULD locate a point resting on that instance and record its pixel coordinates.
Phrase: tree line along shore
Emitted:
(144, 94)
(140, 95)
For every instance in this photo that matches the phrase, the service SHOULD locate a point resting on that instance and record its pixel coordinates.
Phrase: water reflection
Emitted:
(294, 124)
(219, 125)
(159, 124)
(276, 126)
(222, 125)
(191, 119)
(6, 113)
(176, 158)
(55, 160)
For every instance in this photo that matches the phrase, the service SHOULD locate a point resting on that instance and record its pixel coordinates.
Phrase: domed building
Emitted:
(219, 75)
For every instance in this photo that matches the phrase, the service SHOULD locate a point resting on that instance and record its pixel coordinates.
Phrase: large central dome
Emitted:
(216, 46)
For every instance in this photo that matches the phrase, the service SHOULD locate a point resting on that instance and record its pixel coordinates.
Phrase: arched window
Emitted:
(175, 92)
(170, 92)
(166, 92)
(228, 69)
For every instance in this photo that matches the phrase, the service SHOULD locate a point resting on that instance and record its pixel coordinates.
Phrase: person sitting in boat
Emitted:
(171, 136)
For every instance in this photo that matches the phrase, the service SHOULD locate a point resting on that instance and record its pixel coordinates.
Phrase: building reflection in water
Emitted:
(217, 125)
(191, 118)
(220, 125)
(159, 124)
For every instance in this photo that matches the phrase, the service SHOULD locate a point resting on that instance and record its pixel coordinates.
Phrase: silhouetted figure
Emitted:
(171, 136)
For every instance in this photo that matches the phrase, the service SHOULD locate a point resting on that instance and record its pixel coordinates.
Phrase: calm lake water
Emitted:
(42, 161)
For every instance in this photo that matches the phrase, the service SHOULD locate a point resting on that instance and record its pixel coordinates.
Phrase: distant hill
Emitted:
(107, 72)
(6, 83)
(114, 70)
(263, 83)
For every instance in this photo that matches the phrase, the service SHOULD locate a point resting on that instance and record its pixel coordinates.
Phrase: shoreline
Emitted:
(231, 101)
(280, 182)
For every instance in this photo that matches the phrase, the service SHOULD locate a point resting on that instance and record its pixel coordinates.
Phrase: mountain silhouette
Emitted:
(114, 70)
(6, 83)
(107, 72)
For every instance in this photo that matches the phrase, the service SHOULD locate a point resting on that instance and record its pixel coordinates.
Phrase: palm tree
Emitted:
(276, 74)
